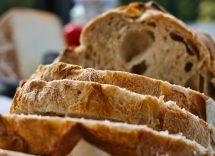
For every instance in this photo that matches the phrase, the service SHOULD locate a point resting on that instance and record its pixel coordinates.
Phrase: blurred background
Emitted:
(187, 10)
(34, 32)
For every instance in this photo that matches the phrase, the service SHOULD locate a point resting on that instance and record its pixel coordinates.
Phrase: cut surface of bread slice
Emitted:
(102, 101)
(141, 39)
(186, 98)
(58, 136)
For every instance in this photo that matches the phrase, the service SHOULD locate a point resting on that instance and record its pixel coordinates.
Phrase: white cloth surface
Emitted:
(5, 104)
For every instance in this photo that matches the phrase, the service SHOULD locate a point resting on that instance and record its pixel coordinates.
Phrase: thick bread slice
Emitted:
(142, 40)
(102, 101)
(12, 153)
(58, 136)
(186, 98)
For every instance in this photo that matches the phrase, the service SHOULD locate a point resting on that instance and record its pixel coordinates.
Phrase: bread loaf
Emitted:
(58, 136)
(143, 39)
(140, 38)
(102, 101)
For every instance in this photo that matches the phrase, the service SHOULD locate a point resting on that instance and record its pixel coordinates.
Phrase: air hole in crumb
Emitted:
(87, 56)
(151, 34)
(65, 76)
(201, 83)
(142, 22)
(135, 42)
(78, 92)
(190, 46)
(121, 25)
(176, 37)
(192, 49)
(139, 68)
(188, 66)
(118, 37)
(177, 56)
(94, 54)
(109, 23)
(152, 24)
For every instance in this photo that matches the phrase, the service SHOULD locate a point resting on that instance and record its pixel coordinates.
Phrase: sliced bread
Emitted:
(192, 101)
(143, 39)
(58, 136)
(102, 101)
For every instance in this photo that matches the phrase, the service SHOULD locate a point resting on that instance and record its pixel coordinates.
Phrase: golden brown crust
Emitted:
(185, 98)
(42, 136)
(139, 8)
(102, 101)
(11, 140)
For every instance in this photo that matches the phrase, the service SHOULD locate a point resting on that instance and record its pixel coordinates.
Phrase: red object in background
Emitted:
(72, 34)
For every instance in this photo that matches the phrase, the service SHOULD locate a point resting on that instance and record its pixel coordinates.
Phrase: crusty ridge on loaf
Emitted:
(147, 41)
(58, 136)
(102, 101)
(186, 98)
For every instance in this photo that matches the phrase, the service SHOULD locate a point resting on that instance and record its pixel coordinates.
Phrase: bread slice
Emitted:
(102, 101)
(58, 136)
(12, 153)
(186, 98)
(142, 39)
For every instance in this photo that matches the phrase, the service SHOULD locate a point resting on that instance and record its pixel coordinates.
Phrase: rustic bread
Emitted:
(102, 101)
(12, 153)
(186, 98)
(58, 136)
(144, 40)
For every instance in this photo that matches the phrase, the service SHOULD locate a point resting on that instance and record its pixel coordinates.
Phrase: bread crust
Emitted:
(102, 101)
(184, 97)
(43, 134)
